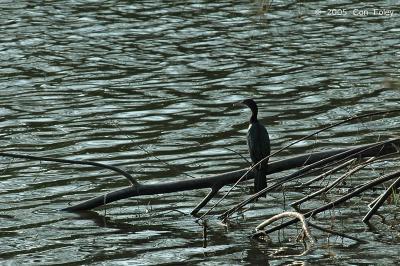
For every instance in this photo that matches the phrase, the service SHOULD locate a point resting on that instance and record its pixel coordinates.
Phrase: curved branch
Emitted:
(277, 217)
(131, 179)
(223, 179)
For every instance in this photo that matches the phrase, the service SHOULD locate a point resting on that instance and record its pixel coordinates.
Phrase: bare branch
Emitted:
(331, 171)
(226, 178)
(330, 231)
(381, 200)
(131, 179)
(340, 179)
(333, 184)
(372, 150)
(339, 201)
(296, 215)
(214, 190)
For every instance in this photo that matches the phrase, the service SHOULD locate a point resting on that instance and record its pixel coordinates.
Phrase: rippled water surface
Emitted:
(148, 86)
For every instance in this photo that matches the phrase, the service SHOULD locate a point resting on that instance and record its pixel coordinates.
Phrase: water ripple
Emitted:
(130, 84)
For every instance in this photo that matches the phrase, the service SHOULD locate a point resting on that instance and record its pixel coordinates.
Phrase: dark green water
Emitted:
(104, 80)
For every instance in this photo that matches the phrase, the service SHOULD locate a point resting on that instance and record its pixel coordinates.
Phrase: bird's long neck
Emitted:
(253, 118)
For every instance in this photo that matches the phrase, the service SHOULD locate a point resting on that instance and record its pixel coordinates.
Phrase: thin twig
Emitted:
(372, 203)
(356, 192)
(345, 164)
(232, 150)
(164, 162)
(205, 233)
(331, 171)
(333, 184)
(115, 124)
(167, 212)
(131, 179)
(330, 231)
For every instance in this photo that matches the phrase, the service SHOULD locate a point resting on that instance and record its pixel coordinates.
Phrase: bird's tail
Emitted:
(260, 179)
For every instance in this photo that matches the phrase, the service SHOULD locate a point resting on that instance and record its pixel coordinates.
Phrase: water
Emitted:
(122, 82)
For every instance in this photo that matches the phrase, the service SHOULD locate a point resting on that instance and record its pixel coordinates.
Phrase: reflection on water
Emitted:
(106, 81)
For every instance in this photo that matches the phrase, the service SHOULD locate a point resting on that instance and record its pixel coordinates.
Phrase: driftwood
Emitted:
(310, 161)
(214, 183)
(299, 216)
(217, 181)
(199, 183)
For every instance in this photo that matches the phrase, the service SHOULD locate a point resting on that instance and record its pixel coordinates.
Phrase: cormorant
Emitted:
(259, 146)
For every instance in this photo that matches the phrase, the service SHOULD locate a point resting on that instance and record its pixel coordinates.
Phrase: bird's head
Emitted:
(253, 107)
(249, 103)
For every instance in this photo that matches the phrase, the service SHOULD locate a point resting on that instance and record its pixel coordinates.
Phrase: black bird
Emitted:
(259, 146)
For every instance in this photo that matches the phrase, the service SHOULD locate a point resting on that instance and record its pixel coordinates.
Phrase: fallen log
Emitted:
(228, 178)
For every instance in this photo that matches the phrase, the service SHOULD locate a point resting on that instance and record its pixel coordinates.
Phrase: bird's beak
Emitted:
(238, 104)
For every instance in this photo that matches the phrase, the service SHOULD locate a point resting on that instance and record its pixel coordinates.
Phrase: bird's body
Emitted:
(258, 142)
(259, 146)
